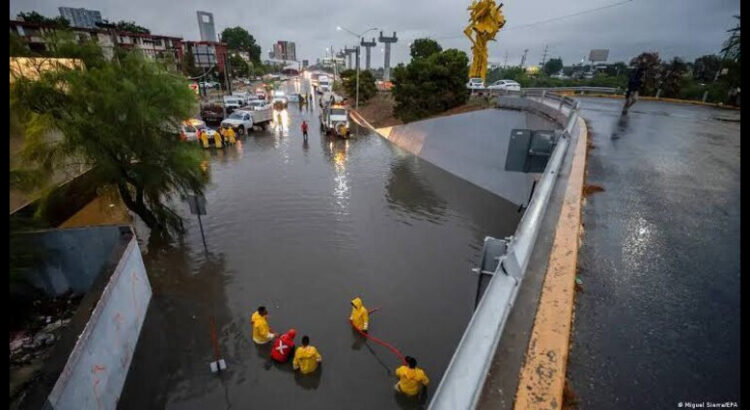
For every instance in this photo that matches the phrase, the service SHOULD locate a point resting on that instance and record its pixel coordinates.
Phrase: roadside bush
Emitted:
(367, 87)
(430, 85)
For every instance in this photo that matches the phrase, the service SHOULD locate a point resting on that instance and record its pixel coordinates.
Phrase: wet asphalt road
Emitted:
(658, 320)
(302, 228)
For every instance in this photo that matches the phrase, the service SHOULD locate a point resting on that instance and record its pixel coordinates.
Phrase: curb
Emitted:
(669, 100)
(542, 377)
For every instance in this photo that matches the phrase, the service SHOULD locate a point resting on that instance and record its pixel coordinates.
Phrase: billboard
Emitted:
(600, 54)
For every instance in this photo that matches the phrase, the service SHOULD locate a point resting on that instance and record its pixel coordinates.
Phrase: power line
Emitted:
(550, 19)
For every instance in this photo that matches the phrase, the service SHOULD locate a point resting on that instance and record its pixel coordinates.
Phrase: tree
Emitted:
(238, 39)
(553, 66)
(240, 68)
(430, 85)
(367, 87)
(649, 62)
(705, 68)
(731, 47)
(671, 77)
(187, 65)
(128, 26)
(617, 69)
(424, 47)
(34, 17)
(120, 119)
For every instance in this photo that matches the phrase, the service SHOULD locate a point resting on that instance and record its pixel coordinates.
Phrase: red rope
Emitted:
(378, 341)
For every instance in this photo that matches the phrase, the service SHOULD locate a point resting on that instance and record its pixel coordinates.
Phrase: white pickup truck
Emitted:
(244, 119)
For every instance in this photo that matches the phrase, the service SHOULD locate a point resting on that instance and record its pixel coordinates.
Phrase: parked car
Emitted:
(508, 85)
(279, 100)
(475, 83)
(257, 105)
(190, 128)
(212, 113)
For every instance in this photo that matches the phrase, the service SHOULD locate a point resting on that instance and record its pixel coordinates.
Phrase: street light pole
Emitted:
(356, 103)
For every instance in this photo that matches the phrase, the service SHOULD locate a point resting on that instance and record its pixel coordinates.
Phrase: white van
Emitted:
(233, 102)
(324, 84)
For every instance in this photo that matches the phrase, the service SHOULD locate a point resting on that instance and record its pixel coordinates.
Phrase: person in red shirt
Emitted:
(283, 346)
(304, 129)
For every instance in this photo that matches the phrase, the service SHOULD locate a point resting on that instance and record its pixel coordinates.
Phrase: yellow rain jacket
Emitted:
(229, 135)
(204, 139)
(217, 140)
(306, 359)
(411, 380)
(359, 317)
(261, 331)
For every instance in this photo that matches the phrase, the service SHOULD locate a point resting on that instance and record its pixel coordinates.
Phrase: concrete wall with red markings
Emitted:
(96, 369)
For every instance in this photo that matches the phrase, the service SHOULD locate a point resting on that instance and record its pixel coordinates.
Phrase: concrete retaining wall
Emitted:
(69, 259)
(472, 146)
(89, 361)
(95, 372)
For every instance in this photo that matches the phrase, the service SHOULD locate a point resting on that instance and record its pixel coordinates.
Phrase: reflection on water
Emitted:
(337, 151)
(408, 194)
(280, 122)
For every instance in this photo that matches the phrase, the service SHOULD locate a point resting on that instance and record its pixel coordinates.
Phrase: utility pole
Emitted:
(505, 65)
(227, 80)
(523, 59)
(544, 56)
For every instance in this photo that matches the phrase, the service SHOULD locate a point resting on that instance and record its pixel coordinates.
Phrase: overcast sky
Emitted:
(684, 28)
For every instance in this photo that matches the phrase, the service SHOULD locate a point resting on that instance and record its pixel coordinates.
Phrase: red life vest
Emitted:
(283, 346)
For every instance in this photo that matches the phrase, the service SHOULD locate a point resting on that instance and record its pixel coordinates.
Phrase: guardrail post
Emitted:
(544, 92)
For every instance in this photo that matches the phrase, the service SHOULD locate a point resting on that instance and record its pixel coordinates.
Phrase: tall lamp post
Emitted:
(359, 40)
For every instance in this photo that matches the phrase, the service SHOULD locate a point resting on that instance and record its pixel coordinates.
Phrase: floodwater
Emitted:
(302, 228)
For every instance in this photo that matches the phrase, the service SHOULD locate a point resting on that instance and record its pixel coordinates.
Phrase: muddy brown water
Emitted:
(302, 228)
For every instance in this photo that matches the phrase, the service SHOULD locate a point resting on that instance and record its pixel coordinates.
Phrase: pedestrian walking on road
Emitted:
(631, 95)
(261, 330)
(304, 129)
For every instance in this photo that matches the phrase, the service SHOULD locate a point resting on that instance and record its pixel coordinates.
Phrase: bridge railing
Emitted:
(463, 381)
(552, 92)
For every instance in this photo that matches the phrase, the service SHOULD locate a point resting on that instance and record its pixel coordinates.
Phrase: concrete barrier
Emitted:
(472, 146)
(462, 382)
(95, 373)
(88, 365)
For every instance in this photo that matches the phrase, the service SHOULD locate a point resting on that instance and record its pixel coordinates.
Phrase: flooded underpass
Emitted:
(302, 228)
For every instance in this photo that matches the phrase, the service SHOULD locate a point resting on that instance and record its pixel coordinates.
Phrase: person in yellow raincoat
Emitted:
(203, 136)
(360, 318)
(229, 135)
(411, 378)
(261, 330)
(306, 357)
(217, 139)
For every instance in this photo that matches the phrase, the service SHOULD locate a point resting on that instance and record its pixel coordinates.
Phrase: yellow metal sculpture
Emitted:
(485, 21)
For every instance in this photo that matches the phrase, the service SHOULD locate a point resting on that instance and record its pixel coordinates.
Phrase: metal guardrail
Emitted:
(463, 381)
(581, 89)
